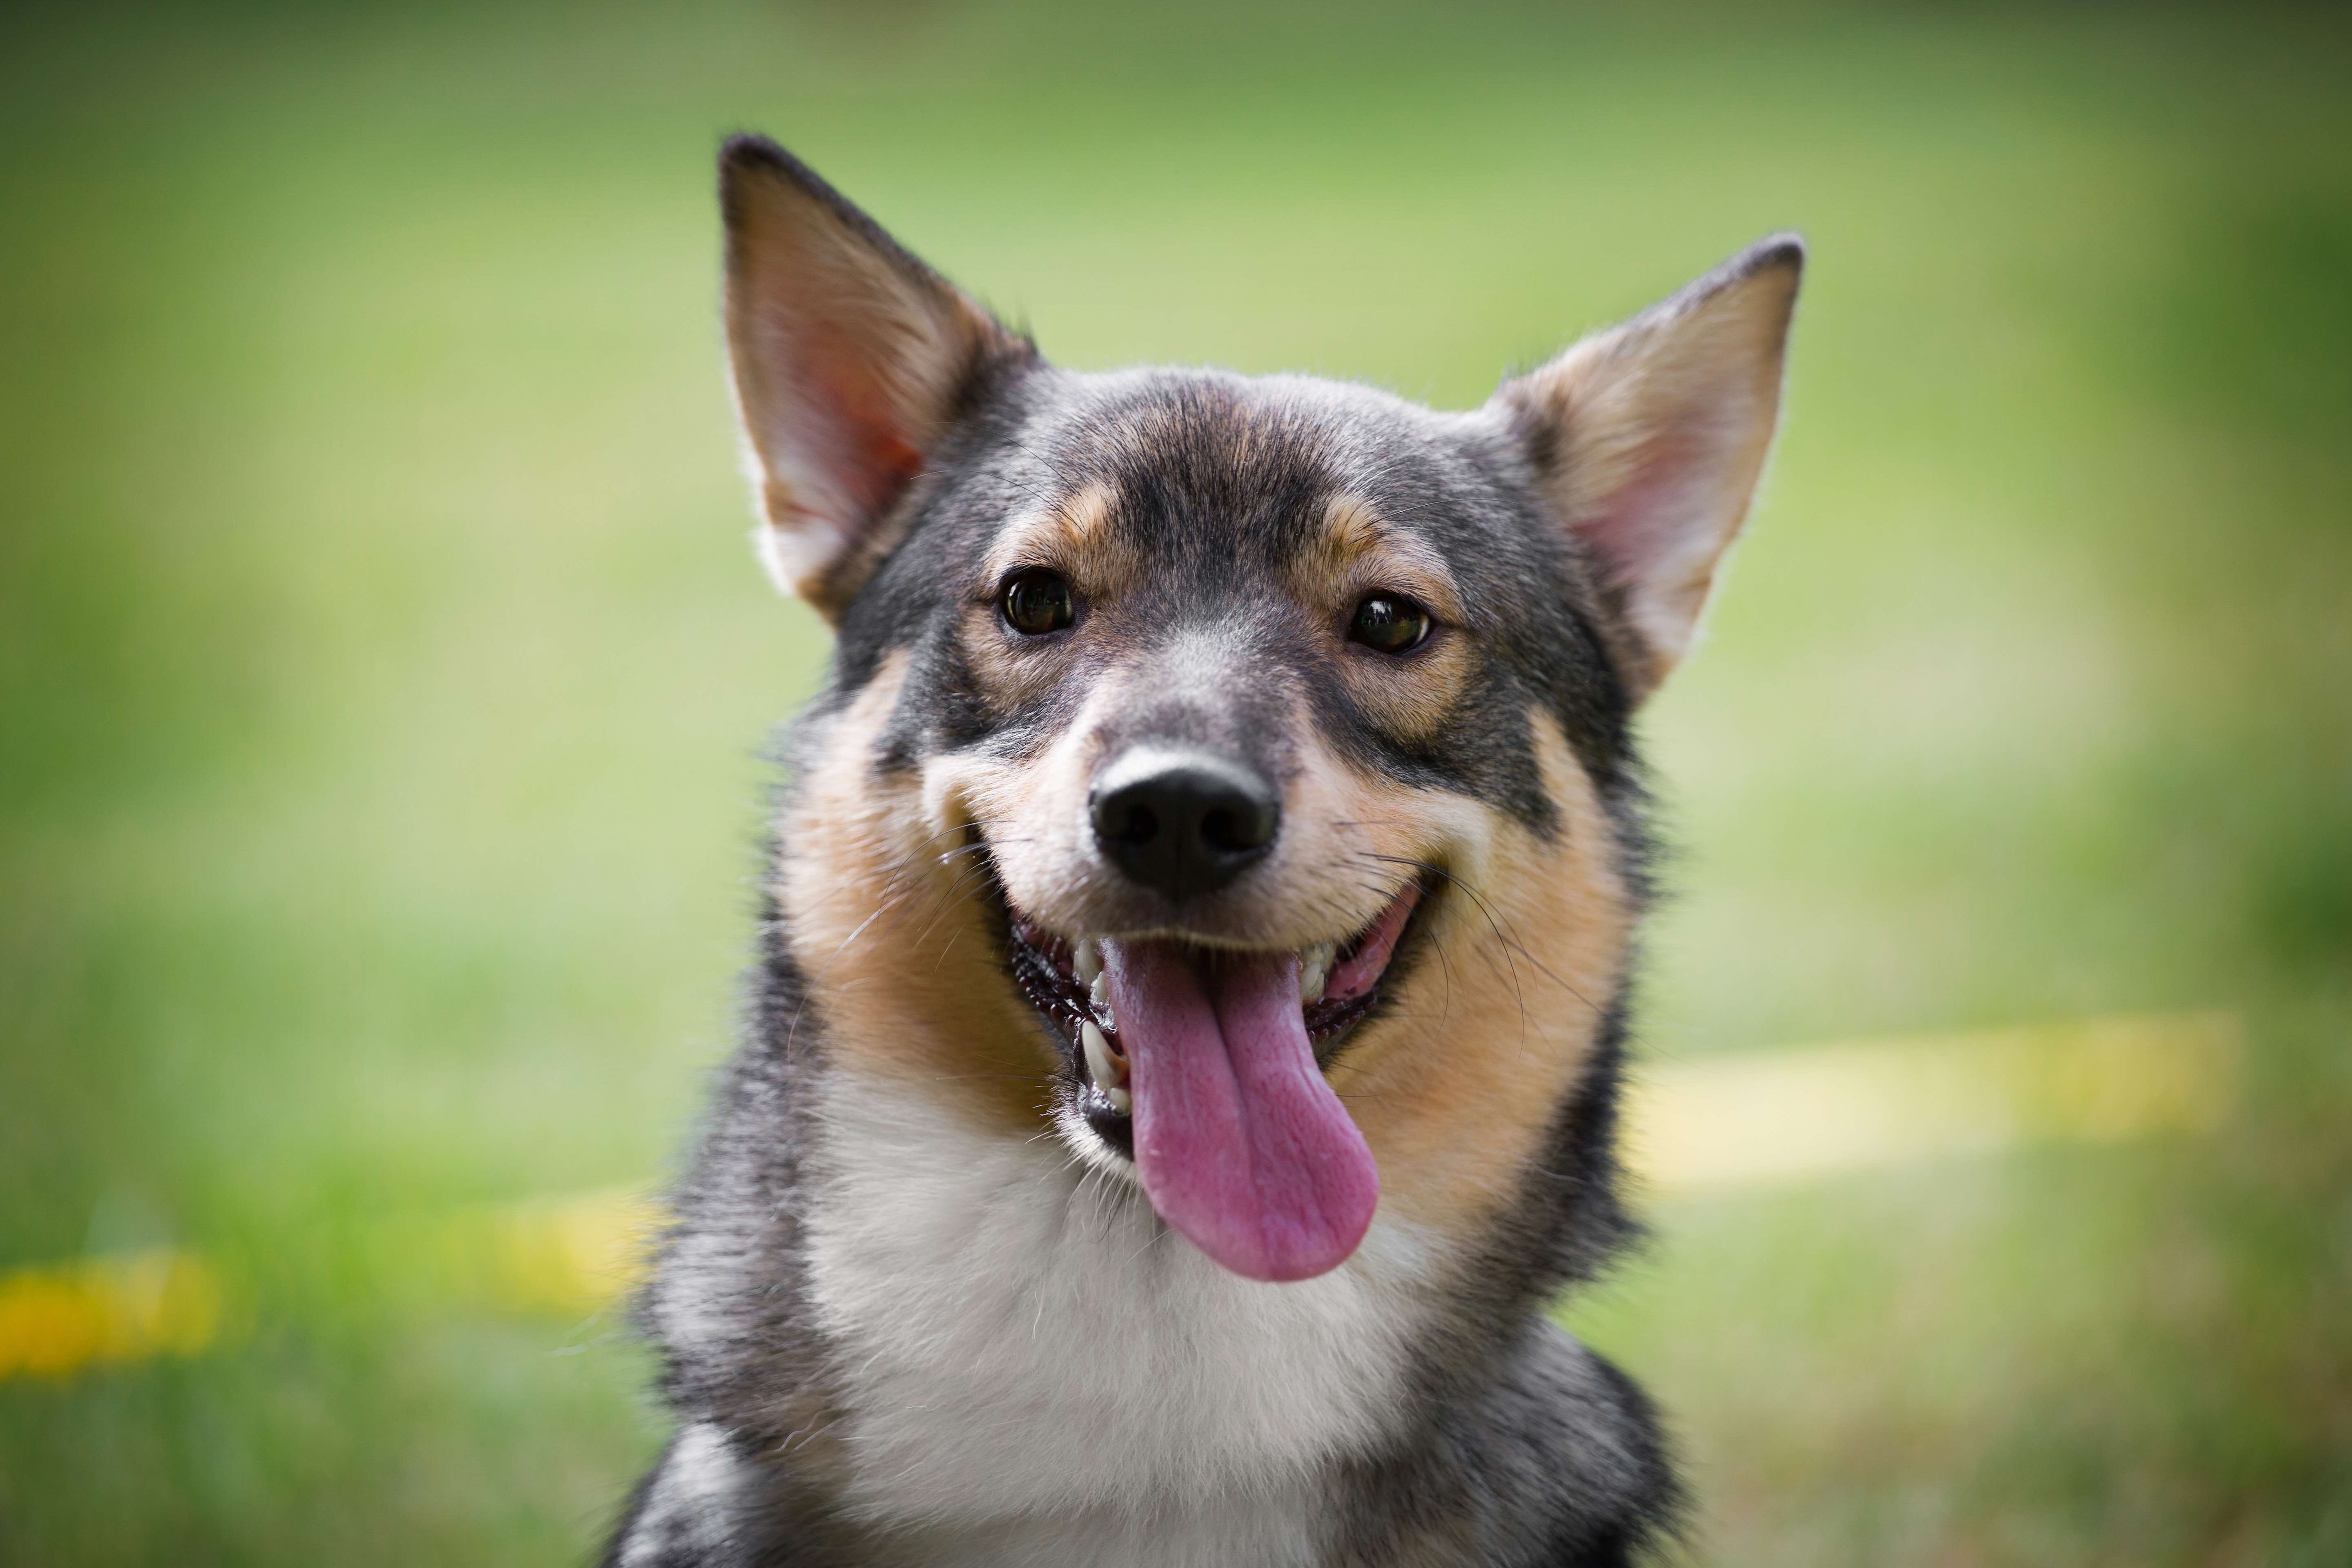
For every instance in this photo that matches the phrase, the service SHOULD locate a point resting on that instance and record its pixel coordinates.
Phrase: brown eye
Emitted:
(1389, 623)
(1037, 601)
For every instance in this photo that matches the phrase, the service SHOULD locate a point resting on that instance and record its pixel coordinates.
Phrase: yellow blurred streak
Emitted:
(1704, 1127)
(1778, 1116)
(564, 1258)
(55, 1321)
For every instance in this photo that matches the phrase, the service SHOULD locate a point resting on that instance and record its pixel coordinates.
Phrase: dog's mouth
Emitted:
(1205, 1065)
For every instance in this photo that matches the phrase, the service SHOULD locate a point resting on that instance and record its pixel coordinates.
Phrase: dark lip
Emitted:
(1040, 966)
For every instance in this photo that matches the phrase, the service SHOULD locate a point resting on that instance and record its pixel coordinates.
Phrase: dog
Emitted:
(1182, 1054)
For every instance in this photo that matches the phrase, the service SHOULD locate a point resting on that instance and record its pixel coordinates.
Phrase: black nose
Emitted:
(1183, 822)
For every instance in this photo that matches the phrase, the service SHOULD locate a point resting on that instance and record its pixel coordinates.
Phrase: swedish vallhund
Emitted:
(1182, 1055)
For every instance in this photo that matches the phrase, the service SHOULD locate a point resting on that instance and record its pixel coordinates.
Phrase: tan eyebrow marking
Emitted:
(1359, 549)
(1074, 535)
(1078, 536)
(1350, 526)
(1083, 520)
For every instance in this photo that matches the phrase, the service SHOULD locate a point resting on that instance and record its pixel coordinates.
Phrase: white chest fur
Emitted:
(1025, 1346)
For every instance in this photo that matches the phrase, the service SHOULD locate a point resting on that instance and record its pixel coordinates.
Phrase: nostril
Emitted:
(1237, 830)
(1241, 824)
(1137, 823)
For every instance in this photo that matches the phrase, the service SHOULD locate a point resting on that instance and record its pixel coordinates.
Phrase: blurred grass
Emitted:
(382, 670)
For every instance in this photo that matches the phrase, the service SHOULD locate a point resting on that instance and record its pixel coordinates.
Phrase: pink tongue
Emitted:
(1240, 1143)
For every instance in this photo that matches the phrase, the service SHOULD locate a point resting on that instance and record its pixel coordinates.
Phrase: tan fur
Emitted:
(1455, 1088)
(1073, 536)
(888, 929)
(1356, 549)
(1358, 552)
(1317, 886)
(920, 1308)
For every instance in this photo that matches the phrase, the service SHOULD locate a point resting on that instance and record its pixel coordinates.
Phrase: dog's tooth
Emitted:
(1107, 1071)
(1099, 996)
(1120, 1100)
(1315, 973)
(1086, 960)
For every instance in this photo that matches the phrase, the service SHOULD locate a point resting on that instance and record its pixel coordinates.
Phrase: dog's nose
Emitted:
(1183, 822)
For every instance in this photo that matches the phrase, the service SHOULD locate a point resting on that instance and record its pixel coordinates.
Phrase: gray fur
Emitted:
(1508, 1443)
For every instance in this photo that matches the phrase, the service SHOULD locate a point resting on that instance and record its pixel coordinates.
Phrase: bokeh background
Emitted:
(383, 674)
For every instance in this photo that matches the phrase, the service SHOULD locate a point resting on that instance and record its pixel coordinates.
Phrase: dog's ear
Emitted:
(851, 359)
(1647, 439)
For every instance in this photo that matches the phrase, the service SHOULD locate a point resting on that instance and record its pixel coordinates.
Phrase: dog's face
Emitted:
(1228, 775)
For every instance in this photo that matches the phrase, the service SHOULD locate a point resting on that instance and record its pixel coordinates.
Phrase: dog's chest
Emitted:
(1024, 1347)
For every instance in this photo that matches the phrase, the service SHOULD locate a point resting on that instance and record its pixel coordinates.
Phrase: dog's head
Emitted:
(1229, 772)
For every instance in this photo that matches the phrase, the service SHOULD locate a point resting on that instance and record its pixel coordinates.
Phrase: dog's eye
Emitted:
(1037, 601)
(1389, 623)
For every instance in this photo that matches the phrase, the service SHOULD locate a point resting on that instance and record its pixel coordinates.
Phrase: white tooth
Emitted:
(1100, 997)
(1107, 1071)
(1315, 973)
(1087, 962)
(1120, 1100)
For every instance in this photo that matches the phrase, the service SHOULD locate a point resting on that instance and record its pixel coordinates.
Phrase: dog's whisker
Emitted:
(1082, 1023)
(1498, 926)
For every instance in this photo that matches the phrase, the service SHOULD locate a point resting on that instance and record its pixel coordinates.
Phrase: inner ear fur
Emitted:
(851, 362)
(1647, 440)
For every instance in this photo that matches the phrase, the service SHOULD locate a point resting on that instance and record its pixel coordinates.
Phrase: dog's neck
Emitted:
(1019, 1335)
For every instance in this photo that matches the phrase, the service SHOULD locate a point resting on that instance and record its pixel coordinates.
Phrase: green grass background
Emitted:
(382, 670)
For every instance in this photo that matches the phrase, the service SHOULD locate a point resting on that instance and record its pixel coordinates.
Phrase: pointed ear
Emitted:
(851, 360)
(1647, 439)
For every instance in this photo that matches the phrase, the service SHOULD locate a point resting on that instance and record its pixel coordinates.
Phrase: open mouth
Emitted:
(1337, 984)
(1205, 1065)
